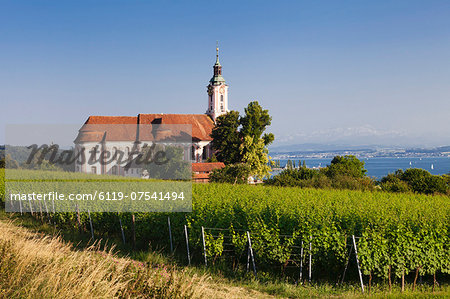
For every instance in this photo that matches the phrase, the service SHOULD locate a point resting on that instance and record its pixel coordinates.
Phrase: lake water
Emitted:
(379, 167)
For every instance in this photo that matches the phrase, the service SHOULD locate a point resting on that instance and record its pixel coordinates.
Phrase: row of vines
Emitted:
(399, 233)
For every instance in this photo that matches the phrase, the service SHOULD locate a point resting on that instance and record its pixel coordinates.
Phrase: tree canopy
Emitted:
(255, 121)
(241, 139)
(226, 140)
(346, 166)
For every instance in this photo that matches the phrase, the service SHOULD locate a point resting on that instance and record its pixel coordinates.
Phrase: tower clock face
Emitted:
(222, 89)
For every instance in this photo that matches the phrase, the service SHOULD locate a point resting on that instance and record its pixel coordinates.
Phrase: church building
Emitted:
(91, 135)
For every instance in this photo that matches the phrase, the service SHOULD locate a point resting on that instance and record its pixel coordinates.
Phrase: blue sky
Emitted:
(354, 72)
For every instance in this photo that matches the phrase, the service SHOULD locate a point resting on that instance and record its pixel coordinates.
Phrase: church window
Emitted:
(93, 153)
(114, 170)
(94, 169)
(204, 154)
(221, 98)
(193, 151)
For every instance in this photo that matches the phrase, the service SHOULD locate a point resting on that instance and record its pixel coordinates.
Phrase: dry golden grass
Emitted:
(33, 265)
(36, 266)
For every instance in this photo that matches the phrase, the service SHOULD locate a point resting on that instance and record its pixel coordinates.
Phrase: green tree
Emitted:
(417, 180)
(294, 177)
(244, 145)
(169, 165)
(393, 183)
(255, 154)
(346, 166)
(255, 122)
(422, 181)
(233, 174)
(289, 164)
(10, 163)
(226, 140)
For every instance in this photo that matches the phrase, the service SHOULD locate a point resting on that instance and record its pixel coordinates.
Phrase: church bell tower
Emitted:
(217, 91)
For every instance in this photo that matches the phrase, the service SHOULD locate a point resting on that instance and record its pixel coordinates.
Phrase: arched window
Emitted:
(193, 153)
(205, 154)
(127, 149)
(114, 170)
(93, 153)
(221, 98)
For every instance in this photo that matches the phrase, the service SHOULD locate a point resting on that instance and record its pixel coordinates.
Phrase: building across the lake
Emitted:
(119, 133)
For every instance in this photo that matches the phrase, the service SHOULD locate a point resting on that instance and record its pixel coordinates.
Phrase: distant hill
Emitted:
(18, 153)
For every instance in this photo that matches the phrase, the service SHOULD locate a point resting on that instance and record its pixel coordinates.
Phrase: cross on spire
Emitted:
(217, 53)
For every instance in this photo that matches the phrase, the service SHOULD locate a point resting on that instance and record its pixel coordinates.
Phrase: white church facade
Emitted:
(119, 133)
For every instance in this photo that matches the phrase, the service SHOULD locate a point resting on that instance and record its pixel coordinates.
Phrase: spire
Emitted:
(217, 78)
(217, 53)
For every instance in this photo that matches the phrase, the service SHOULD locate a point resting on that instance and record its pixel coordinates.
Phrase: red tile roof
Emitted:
(110, 120)
(207, 167)
(201, 177)
(97, 128)
(202, 124)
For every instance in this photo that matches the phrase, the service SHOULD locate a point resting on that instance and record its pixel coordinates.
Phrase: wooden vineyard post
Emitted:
(187, 244)
(346, 265)
(31, 208)
(40, 212)
(53, 215)
(251, 252)
(20, 207)
(46, 211)
(78, 218)
(133, 220)
(357, 264)
(310, 259)
(121, 228)
(248, 258)
(300, 278)
(92, 227)
(170, 235)
(204, 246)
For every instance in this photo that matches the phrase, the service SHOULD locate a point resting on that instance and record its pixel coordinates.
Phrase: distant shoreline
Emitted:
(381, 166)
